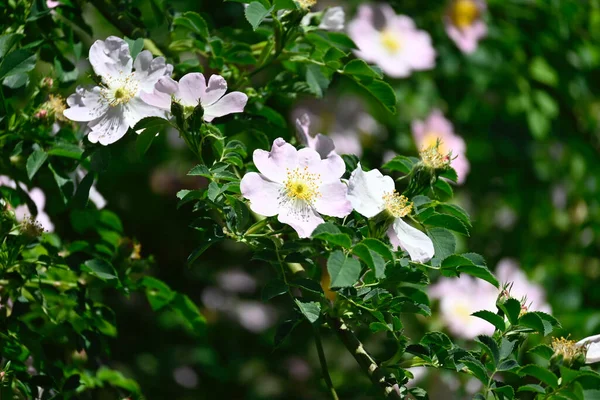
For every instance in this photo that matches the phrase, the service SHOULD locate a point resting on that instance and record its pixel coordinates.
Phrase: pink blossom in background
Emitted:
(508, 271)
(435, 127)
(464, 24)
(345, 120)
(39, 199)
(391, 41)
(52, 4)
(461, 297)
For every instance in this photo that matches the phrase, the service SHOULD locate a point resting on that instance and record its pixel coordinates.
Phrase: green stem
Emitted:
(323, 362)
(35, 283)
(365, 361)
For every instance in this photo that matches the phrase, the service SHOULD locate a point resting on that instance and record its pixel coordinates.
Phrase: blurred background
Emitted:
(525, 102)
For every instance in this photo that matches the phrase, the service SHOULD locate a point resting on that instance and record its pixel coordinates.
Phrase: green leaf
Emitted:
(361, 68)
(468, 263)
(150, 122)
(543, 72)
(448, 222)
(492, 318)
(379, 247)
(507, 391)
(381, 91)
(444, 244)
(311, 310)
(145, 139)
(67, 150)
(508, 365)
(539, 321)
(330, 233)
(256, 13)
(343, 270)
(542, 350)
(17, 62)
(316, 80)
(506, 348)
(158, 293)
(489, 346)
(400, 163)
(532, 387)
(100, 268)
(373, 260)
(190, 313)
(540, 373)
(476, 368)
(82, 194)
(379, 327)
(100, 159)
(455, 211)
(34, 162)
(512, 309)
(273, 289)
(8, 41)
(194, 22)
(135, 46)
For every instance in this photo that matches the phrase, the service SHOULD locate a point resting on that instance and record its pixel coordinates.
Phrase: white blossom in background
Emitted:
(192, 90)
(116, 105)
(591, 345)
(372, 193)
(333, 19)
(297, 186)
(22, 211)
(461, 297)
(508, 272)
(391, 41)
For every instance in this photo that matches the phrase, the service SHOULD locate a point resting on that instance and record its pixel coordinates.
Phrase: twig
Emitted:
(323, 362)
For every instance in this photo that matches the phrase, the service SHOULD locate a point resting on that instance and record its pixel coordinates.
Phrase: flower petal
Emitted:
(418, 245)
(233, 102)
(86, 105)
(321, 144)
(216, 88)
(191, 89)
(109, 128)
(149, 70)
(593, 353)
(366, 190)
(161, 95)
(262, 193)
(300, 216)
(333, 200)
(137, 109)
(110, 57)
(274, 164)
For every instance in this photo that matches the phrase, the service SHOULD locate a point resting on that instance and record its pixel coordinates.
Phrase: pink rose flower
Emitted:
(297, 186)
(39, 199)
(391, 41)
(464, 24)
(461, 297)
(192, 90)
(435, 127)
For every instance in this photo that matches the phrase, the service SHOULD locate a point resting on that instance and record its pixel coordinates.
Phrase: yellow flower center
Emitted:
(306, 4)
(302, 185)
(464, 12)
(566, 348)
(434, 155)
(56, 105)
(390, 41)
(431, 139)
(462, 312)
(120, 90)
(396, 204)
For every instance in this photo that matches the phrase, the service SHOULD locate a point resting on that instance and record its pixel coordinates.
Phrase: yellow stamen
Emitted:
(390, 41)
(396, 204)
(302, 185)
(566, 348)
(434, 156)
(464, 13)
(120, 90)
(306, 4)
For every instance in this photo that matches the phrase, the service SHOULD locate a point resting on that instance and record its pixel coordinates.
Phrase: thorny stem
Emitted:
(365, 361)
(323, 362)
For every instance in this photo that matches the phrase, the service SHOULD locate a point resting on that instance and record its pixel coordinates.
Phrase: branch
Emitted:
(365, 361)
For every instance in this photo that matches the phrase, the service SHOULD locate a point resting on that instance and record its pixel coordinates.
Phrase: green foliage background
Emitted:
(525, 103)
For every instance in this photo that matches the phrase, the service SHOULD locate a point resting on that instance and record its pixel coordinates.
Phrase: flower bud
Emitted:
(426, 172)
